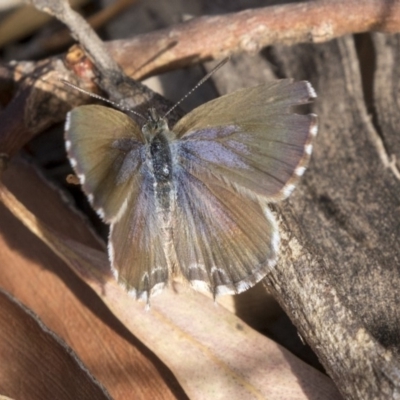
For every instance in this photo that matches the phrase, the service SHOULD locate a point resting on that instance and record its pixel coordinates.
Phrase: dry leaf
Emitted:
(36, 364)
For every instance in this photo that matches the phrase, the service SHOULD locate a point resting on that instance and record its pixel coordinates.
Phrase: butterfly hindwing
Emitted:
(224, 242)
(136, 242)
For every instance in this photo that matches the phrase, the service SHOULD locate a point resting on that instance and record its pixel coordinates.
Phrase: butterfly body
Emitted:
(192, 201)
(160, 165)
(159, 161)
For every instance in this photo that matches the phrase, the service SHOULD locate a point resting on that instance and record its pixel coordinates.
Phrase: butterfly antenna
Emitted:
(96, 96)
(216, 68)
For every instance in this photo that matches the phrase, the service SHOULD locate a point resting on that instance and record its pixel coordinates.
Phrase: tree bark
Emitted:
(339, 277)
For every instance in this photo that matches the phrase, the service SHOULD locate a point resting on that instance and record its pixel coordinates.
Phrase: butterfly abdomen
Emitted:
(162, 165)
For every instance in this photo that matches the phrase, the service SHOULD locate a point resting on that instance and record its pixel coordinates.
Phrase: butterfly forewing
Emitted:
(251, 139)
(106, 149)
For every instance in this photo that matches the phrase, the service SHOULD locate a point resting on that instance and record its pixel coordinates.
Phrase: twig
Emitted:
(63, 38)
(111, 78)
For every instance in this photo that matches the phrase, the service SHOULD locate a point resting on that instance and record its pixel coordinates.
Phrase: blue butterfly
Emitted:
(191, 202)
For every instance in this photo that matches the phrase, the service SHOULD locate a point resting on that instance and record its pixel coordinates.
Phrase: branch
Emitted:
(214, 37)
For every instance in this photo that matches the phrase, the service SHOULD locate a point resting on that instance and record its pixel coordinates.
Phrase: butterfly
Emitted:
(191, 201)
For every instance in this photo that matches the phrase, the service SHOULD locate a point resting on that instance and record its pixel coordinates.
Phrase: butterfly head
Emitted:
(155, 124)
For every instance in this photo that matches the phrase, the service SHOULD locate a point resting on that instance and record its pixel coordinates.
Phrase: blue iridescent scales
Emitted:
(191, 201)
